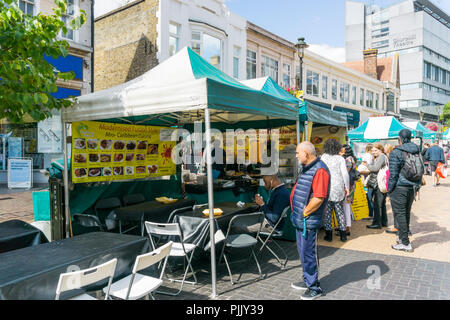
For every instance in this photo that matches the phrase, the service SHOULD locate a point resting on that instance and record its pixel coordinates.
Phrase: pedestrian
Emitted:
(339, 188)
(435, 155)
(309, 199)
(362, 169)
(379, 198)
(426, 146)
(350, 161)
(388, 149)
(406, 172)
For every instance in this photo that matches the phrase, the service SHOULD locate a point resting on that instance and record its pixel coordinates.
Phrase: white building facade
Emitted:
(208, 27)
(415, 29)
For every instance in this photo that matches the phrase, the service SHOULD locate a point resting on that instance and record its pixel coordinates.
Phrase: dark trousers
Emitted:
(307, 249)
(369, 196)
(379, 208)
(401, 202)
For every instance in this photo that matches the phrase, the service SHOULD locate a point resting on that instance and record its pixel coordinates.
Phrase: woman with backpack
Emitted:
(381, 163)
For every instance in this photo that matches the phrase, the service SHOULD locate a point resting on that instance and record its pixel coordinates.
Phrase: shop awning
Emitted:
(379, 128)
(416, 125)
(185, 82)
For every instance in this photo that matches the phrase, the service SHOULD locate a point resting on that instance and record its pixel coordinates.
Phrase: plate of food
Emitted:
(105, 158)
(119, 145)
(217, 212)
(92, 144)
(166, 200)
(80, 144)
(80, 172)
(152, 149)
(94, 157)
(140, 169)
(106, 144)
(118, 157)
(129, 157)
(95, 172)
(118, 171)
(142, 145)
(129, 171)
(140, 157)
(152, 168)
(131, 145)
(107, 172)
(79, 158)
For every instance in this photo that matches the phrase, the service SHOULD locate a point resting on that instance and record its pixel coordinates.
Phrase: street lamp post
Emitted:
(300, 46)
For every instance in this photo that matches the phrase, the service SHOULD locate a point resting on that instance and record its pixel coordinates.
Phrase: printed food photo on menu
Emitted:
(107, 172)
(105, 158)
(119, 145)
(142, 145)
(118, 157)
(79, 158)
(106, 144)
(129, 157)
(140, 169)
(94, 157)
(140, 157)
(152, 149)
(80, 172)
(131, 145)
(80, 143)
(118, 171)
(92, 144)
(129, 171)
(152, 169)
(95, 172)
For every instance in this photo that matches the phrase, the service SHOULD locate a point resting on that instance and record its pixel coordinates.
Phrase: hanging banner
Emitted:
(110, 151)
(321, 134)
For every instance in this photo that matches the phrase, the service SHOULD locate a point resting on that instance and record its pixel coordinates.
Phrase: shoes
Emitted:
(399, 241)
(369, 218)
(343, 235)
(311, 294)
(409, 233)
(338, 234)
(300, 285)
(438, 183)
(328, 236)
(373, 226)
(393, 230)
(384, 225)
(402, 247)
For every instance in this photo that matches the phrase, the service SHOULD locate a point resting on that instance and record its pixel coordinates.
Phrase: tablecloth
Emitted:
(17, 234)
(32, 273)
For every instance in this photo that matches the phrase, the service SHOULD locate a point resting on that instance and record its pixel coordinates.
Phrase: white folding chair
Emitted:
(136, 285)
(275, 232)
(179, 249)
(78, 279)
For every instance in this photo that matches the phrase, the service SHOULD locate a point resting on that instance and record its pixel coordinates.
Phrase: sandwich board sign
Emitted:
(20, 173)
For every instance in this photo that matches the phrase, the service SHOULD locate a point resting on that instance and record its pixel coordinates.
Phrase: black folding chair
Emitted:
(269, 238)
(131, 199)
(88, 221)
(242, 240)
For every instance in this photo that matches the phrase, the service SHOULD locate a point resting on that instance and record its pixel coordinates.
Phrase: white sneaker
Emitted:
(399, 241)
(402, 247)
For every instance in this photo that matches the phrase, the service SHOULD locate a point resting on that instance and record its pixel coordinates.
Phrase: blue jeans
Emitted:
(307, 249)
(370, 201)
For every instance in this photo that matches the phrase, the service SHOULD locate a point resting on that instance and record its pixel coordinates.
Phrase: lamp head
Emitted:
(300, 46)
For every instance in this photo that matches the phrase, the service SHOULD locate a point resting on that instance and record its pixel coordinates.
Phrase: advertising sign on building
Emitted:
(20, 173)
(110, 151)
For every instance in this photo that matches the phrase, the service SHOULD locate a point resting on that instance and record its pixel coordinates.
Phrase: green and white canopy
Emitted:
(183, 83)
(379, 128)
(416, 125)
(446, 134)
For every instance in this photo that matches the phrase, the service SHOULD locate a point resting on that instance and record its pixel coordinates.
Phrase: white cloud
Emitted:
(336, 54)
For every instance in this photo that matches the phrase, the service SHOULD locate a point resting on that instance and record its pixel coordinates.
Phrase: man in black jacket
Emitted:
(401, 190)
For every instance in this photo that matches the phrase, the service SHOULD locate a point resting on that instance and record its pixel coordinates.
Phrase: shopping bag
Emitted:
(441, 170)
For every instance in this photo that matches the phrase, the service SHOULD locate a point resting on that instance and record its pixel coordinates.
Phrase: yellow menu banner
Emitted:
(110, 151)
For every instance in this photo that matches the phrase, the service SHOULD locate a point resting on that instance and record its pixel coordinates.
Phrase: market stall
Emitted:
(427, 134)
(446, 134)
(182, 90)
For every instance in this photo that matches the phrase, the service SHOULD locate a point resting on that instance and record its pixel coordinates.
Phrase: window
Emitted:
(361, 97)
(67, 17)
(174, 37)
(369, 99)
(383, 32)
(27, 6)
(341, 92)
(435, 72)
(334, 89)
(443, 76)
(324, 87)
(236, 60)
(312, 83)
(354, 95)
(380, 44)
(344, 92)
(377, 97)
(209, 47)
(427, 70)
(251, 64)
(286, 75)
(269, 67)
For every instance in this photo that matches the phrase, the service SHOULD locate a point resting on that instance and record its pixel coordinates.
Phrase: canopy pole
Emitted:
(210, 202)
(306, 131)
(66, 181)
(297, 123)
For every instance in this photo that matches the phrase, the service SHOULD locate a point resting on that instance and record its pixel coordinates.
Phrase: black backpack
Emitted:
(413, 169)
(354, 176)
